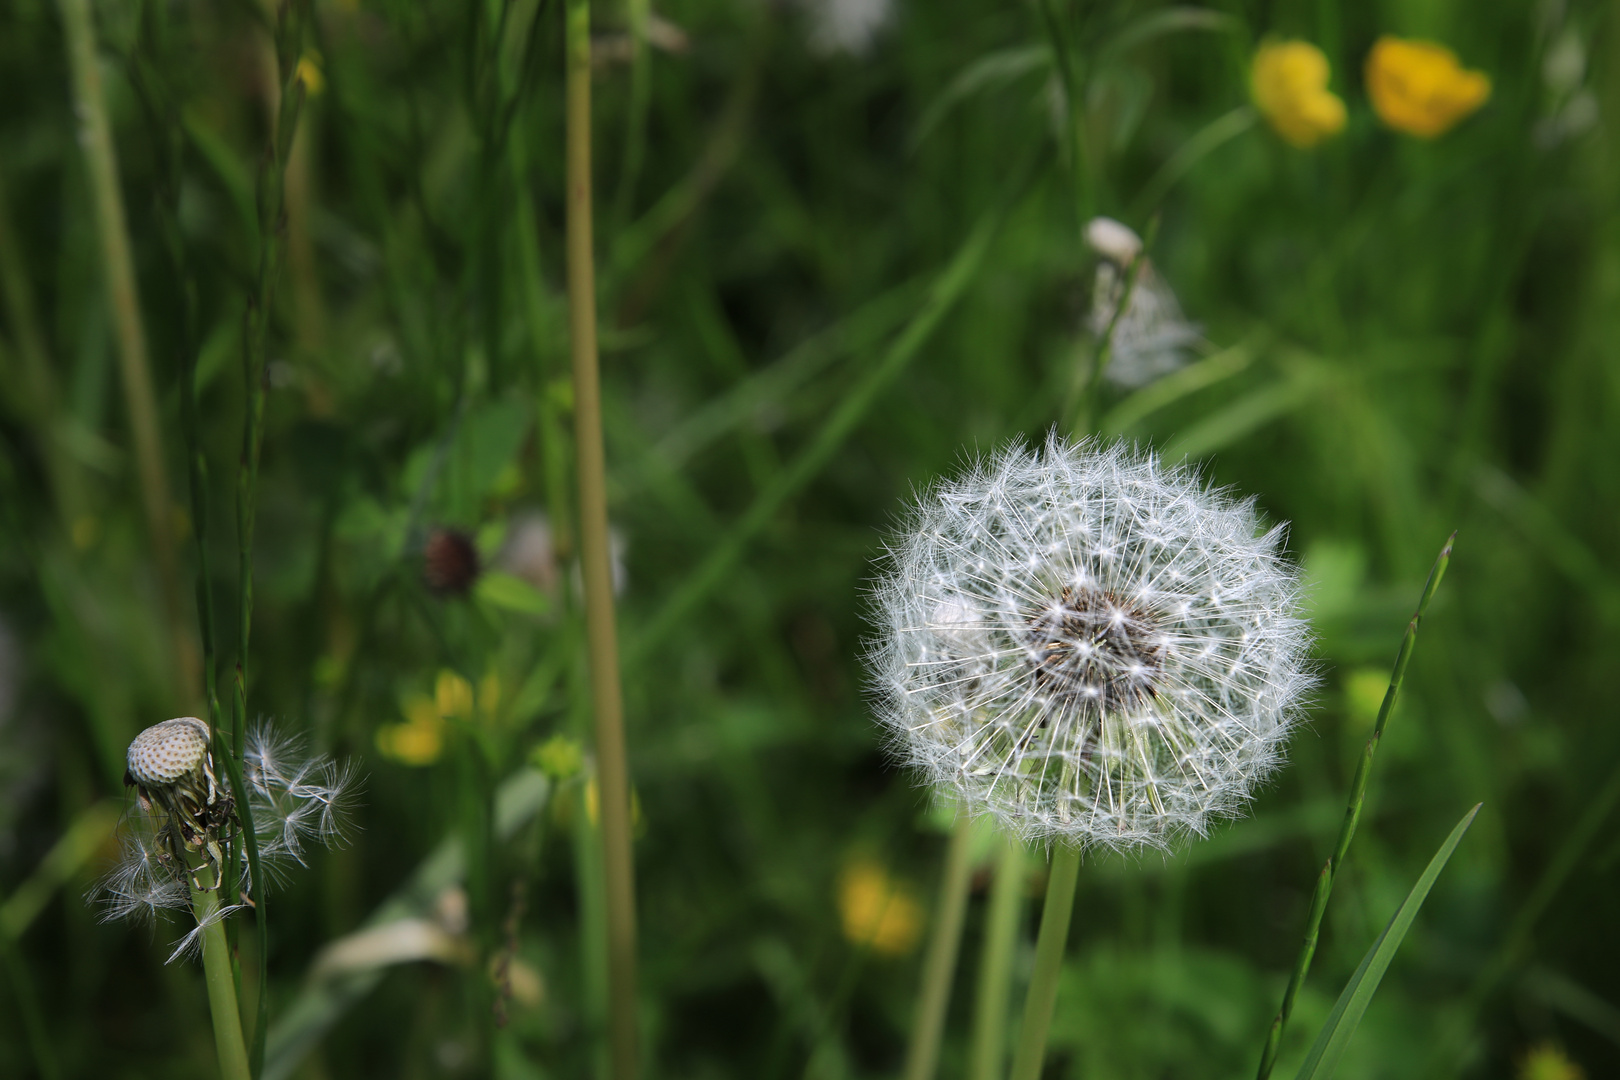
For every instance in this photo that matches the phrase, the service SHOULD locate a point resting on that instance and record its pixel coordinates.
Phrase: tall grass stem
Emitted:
(601, 635)
(123, 298)
(1352, 815)
(987, 1056)
(1054, 937)
(939, 966)
(289, 27)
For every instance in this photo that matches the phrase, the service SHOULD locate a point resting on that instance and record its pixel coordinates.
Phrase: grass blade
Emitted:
(1346, 1016)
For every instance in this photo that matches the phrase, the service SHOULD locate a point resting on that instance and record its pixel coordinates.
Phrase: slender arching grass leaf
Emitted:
(1346, 1016)
(995, 69)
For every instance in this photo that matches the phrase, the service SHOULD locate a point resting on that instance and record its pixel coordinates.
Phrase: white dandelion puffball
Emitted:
(1093, 646)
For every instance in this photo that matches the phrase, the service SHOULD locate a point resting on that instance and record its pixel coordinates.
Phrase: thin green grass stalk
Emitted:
(272, 223)
(1054, 937)
(988, 1054)
(613, 779)
(95, 135)
(33, 386)
(221, 981)
(939, 967)
(1352, 815)
(635, 131)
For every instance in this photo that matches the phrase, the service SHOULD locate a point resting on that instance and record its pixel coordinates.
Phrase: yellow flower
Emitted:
(454, 695)
(419, 740)
(309, 70)
(1288, 82)
(1547, 1062)
(1419, 88)
(877, 911)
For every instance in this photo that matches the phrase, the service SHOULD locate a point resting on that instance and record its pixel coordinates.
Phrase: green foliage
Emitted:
(825, 278)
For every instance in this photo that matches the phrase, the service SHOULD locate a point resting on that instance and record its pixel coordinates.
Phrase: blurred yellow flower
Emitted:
(559, 757)
(419, 740)
(877, 911)
(1419, 88)
(454, 695)
(1547, 1061)
(309, 70)
(1288, 82)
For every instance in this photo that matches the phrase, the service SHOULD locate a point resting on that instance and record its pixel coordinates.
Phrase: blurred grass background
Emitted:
(1403, 337)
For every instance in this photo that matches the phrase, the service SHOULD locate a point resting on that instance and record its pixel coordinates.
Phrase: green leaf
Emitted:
(988, 72)
(512, 593)
(1346, 1016)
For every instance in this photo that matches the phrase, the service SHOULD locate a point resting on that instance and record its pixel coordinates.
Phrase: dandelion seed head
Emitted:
(165, 753)
(1090, 645)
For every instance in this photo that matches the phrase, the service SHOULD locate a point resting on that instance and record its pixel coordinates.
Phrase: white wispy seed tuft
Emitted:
(1093, 646)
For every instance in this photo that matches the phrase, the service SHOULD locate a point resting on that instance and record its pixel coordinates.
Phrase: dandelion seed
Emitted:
(1090, 645)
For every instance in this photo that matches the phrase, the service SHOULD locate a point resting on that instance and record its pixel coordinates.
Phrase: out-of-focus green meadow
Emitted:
(832, 267)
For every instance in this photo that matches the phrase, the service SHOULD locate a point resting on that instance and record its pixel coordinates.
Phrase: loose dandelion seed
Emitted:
(1093, 646)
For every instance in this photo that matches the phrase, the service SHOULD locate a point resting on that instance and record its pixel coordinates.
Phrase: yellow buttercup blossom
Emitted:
(1289, 84)
(877, 911)
(1419, 88)
(1547, 1061)
(417, 741)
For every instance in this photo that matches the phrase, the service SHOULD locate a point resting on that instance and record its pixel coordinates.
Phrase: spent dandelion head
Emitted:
(1288, 81)
(184, 829)
(1151, 338)
(1093, 646)
(1418, 87)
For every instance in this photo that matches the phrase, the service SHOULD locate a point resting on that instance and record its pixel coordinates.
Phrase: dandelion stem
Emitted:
(1352, 815)
(987, 1057)
(1055, 915)
(939, 967)
(228, 1042)
(601, 636)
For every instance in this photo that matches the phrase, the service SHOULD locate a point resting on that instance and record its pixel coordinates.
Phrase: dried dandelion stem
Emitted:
(1352, 815)
(601, 636)
(922, 1059)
